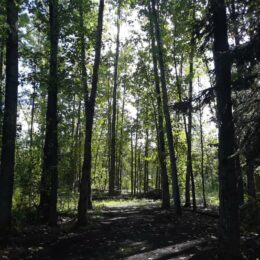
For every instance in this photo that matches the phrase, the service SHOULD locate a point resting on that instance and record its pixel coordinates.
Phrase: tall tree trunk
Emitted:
(10, 115)
(108, 133)
(146, 165)
(77, 149)
(90, 110)
(2, 47)
(160, 128)
(30, 170)
(240, 73)
(189, 133)
(112, 171)
(135, 159)
(136, 147)
(139, 179)
(202, 160)
(119, 174)
(187, 129)
(49, 179)
(85, 88)
(175, 184)
(157, 173)
(228, 209)
(132, 163)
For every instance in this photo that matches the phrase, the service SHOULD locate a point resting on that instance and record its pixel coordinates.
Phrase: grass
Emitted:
(213, 200)
(123, 202)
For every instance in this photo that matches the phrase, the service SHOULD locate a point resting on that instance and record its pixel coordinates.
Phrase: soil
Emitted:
(124, 232)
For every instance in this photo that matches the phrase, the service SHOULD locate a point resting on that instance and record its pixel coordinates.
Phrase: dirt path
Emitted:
(135, 232)
(123, 232)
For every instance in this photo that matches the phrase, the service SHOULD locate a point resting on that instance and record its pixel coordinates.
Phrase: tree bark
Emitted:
(190, 173)
(135, 160)
(136, 149)
(90, 110)
(175, 184)
(49, 178)
(10, 115)
(85, 88)
(146, 164)
(78, 149)
(30, 170)
(160, 128)
(202, 160)
(120, 163)
(108, 133)
(240, 72)
(132, 163)
(229, 238)
(187, 130)
(112, 172)
(2, 47)
(139, 171)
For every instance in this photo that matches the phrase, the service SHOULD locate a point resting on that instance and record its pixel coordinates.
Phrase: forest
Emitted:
(129, 129)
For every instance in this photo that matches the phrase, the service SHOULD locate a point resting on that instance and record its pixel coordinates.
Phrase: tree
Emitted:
(202, 158)
(188, 129)
(228, 207)
(49, 178)
(90, 109)
(85, 89)
(10, 116)
(2, 47)
(175, 184)
(160, 128)
(112, 170)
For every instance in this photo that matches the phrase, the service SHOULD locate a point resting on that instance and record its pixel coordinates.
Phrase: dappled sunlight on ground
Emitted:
(169, 251)
(121, 230)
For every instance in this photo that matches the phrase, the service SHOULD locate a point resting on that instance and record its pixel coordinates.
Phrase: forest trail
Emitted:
(123, 232)
(140, 232)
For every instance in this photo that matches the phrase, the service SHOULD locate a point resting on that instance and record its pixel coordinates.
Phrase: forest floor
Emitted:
(134, 231)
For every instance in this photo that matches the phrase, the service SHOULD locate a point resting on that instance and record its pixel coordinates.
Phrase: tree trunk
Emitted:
(85, 88)
(112, 171)
(160, 128)
(139, 170)
(175, 184)
(202, 160)
(228, 208)
(157, 178)
(135, 149)
(146, 165)
(108, 132)
(135, 161)
(30, 170)
(240, 73)
(132, 163)
(10, 115)
(49, 178)
(119, 174)
(189, 132)
(187, 129)
(2, 47)
(78, 149)
(90, 109)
